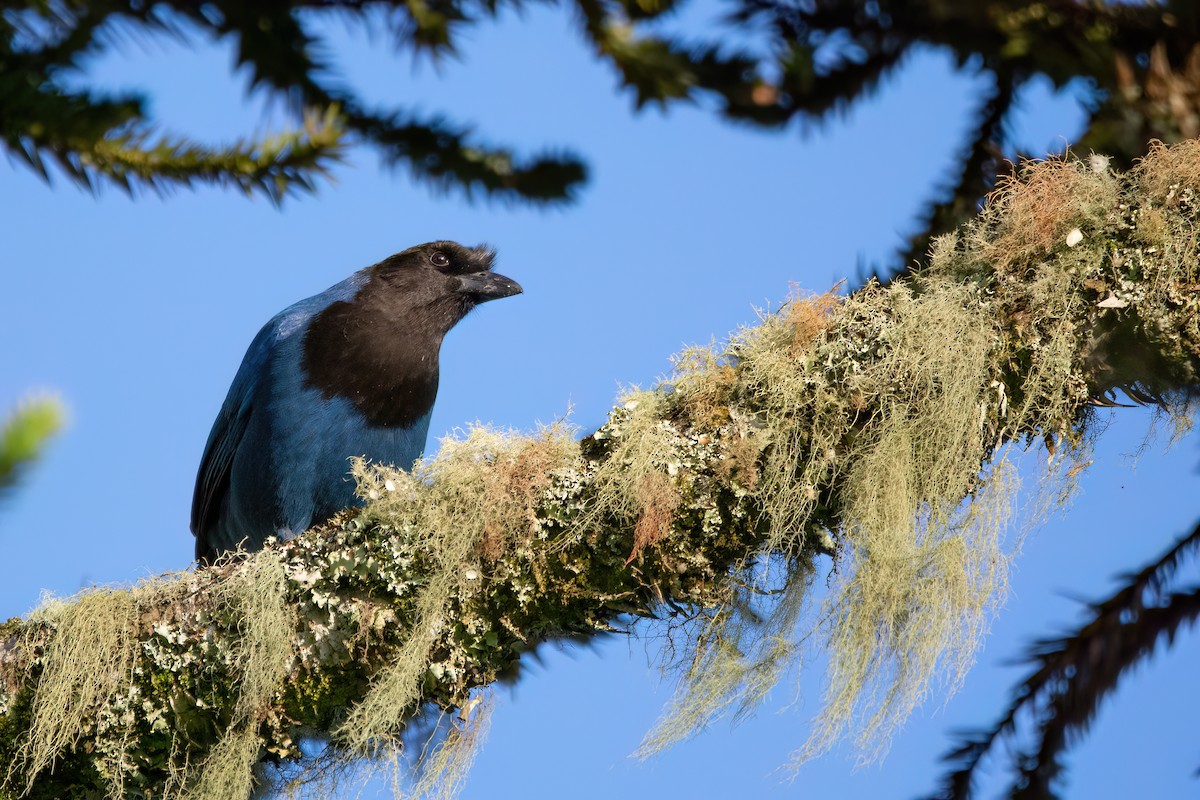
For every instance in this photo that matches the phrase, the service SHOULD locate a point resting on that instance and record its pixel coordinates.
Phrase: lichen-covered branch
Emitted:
(870, 428)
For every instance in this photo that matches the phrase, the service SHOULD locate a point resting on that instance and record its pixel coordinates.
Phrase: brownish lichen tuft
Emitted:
(810, 315)
(1166, 170)
(659, 500)
(1035, 207)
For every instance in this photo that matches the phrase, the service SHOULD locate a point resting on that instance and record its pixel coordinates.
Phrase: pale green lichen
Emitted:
(256, 597)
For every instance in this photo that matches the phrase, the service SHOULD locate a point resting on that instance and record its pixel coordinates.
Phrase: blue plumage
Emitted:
(351, 371)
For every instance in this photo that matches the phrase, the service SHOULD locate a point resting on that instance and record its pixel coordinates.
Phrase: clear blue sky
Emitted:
(138, 313)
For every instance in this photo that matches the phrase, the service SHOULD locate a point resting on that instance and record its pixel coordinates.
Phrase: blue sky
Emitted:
(138, 313)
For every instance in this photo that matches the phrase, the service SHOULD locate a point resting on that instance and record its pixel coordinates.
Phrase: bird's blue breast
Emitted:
(314, 437)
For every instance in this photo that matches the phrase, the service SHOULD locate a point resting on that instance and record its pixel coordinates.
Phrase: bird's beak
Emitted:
(484, 286)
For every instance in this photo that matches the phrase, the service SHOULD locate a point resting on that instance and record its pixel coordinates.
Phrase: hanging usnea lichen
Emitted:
(858, 444)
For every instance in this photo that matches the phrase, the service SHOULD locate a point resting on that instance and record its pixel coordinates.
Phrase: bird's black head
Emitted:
(380, 349)
(441, 282)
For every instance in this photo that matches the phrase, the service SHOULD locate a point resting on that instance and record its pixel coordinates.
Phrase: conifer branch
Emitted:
(1074, 672)
(23, 434)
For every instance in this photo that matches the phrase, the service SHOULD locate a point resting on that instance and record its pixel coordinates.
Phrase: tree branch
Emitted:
(849, 426)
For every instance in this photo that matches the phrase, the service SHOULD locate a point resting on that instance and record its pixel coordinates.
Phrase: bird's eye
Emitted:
(439, 259)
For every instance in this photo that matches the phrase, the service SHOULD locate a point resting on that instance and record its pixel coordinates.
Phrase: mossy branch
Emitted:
(872, 428)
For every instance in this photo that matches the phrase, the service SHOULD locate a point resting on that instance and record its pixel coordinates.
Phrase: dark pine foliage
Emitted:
(1073, 673)
(1137, 64)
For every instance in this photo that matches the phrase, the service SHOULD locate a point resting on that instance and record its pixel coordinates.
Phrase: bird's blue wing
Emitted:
(213, 478)
(212, 481)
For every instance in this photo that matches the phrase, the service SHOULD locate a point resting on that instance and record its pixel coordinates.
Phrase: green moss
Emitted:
(318, 698)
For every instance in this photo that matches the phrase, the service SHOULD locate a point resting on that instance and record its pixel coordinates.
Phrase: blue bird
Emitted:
(352, 371)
